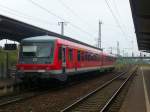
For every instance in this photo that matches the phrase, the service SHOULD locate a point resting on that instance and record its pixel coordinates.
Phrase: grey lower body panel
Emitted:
(56, 74)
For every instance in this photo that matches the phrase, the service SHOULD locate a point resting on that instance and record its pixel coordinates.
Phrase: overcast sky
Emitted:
(82, 17)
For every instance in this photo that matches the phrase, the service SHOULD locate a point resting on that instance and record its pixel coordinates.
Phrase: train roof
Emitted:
(48, 38)
(44, 38)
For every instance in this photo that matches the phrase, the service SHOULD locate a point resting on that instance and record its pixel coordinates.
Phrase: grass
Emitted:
(12, 57)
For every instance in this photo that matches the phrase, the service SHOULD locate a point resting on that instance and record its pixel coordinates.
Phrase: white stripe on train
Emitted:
(68, 70)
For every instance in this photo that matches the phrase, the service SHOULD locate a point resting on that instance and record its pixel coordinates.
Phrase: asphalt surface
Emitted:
(138, 96)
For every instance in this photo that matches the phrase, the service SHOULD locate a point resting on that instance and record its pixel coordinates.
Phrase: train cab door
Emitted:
(63, 59)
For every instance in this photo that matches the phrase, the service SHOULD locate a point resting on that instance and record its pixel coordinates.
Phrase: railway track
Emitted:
(25, 96)
(101, 98)
(14, 99)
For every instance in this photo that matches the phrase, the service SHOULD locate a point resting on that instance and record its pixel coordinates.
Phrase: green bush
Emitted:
(12, 57)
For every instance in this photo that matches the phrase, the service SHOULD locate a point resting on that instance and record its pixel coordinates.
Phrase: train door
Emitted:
(64, 59)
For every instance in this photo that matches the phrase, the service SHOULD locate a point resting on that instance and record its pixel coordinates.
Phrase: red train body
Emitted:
(52, 57)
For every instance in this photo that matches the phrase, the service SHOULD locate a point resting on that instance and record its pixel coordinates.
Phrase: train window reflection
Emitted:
(36, 51)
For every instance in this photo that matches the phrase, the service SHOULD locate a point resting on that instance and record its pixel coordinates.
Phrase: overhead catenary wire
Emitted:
(115, 4)
(75, 26)
(74, 13)
(116, 19)
(62, 19)
(25, 16)
(45, 9)
(22, 15)
(118, 13)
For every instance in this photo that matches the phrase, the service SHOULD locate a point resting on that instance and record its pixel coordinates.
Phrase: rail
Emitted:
(83, 101)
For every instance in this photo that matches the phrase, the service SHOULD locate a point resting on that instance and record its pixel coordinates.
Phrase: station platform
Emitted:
(138, 96)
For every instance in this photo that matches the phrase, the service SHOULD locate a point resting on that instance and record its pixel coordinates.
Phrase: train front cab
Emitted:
(36, 57)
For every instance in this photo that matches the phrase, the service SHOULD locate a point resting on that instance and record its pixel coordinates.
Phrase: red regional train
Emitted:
(52, 57)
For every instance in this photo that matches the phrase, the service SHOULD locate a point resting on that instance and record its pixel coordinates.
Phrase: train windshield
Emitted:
(37, 51)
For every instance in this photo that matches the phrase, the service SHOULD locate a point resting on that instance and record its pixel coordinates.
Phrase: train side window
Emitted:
(100, 58)
(89, 56)
(82, 56)
(70, 54)
(93, 57)
(97, 57)
(79, 55)
(60, 53)
(86, 56)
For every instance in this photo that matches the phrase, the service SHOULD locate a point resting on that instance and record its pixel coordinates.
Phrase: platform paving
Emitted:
(138, 96)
